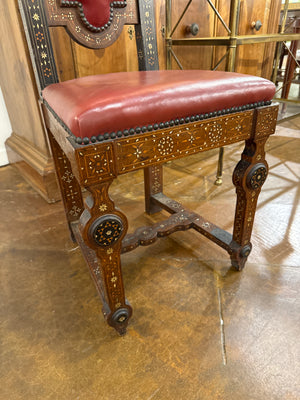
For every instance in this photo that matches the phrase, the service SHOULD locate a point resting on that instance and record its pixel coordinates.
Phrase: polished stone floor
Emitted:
(200, 331)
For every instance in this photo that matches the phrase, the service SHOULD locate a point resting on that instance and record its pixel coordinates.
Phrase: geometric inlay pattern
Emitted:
(266, 121)
(257, 176)
(96, 164)
(107, 232)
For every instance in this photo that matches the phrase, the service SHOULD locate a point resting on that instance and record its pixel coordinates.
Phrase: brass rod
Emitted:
(276, 62)
(234, 16)
(210, 41)
(168, 29)
(272, 37)
(284, 17)
(233, 24)
(292, 55)
(220, 61)
(176, 59)
(180, 18)
(230, 66)
(168, 17)
(279, 47)
(287, 100)
(286, 28)
(292, 6)
(219, 16)
(169, 56)
(215, 31)
(240, 39)
(219, 175)
(297, 63)
(286, 83)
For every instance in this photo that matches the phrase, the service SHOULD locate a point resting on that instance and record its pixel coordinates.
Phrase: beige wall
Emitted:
(5, 130)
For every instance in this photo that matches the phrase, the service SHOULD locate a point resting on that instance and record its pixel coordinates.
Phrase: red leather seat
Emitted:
(102, 107)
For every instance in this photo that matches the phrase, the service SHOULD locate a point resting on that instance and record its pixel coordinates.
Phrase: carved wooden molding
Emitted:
(68, 14)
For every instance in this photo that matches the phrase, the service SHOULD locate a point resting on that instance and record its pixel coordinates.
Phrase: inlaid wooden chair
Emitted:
(106, 125)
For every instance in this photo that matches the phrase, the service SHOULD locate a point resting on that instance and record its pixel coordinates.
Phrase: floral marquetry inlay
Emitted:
(181, 140)
(215, 132)
(165, 145)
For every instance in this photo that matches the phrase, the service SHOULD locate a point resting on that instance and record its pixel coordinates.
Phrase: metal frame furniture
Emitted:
(231, 41)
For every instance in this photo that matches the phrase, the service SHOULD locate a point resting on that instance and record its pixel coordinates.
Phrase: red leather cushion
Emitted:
(93, 15)
(98, 104)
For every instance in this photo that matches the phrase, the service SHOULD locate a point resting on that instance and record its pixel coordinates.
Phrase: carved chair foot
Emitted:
(240, 256)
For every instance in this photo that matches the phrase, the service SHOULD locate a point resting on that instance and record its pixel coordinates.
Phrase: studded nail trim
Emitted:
(153, 127)
(88, 25)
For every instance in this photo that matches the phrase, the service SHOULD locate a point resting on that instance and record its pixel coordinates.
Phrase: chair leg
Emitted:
(102, 228)
(69, 187)
(248, 177)
(153, 182)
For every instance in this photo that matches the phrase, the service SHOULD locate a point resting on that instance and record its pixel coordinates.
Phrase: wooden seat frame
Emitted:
(99, 228)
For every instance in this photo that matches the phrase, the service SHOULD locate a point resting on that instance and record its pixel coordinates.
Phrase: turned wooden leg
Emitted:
(248, 177)
(69, 187)
(103, 228)
(153, 181)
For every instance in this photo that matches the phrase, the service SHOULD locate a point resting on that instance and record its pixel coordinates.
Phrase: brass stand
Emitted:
(231, 41)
